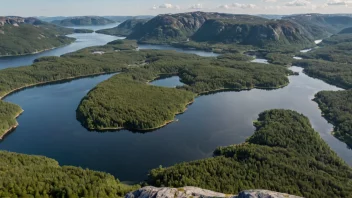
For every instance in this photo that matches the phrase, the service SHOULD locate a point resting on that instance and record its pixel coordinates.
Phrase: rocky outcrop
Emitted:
(176, 27)
(15, 21)
(186, 192)
(252, 32)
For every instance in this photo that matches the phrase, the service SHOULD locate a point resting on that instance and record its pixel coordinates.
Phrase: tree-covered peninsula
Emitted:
(36, 176)
(125, 28)
(19, 36)
(336, 107)
(285, 154)
(8, 114)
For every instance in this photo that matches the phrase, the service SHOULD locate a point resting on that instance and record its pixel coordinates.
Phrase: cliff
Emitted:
(175, 27)
(254, 32)
(153, 192)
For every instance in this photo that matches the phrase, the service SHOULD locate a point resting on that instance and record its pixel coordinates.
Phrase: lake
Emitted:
(82, 41)
(49, 127)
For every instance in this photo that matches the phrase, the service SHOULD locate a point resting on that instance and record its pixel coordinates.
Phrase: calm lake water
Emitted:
(49, 127)
(173, 81)
(82, 41)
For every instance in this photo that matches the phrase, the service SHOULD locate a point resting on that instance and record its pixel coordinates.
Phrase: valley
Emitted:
(107, 104)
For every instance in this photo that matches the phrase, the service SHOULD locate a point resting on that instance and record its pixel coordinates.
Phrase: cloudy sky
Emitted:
(154, 7)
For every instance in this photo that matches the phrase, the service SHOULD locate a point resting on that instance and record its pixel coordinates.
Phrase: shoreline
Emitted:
(12, 127)
(144, 130)
(36, 84)
(53, 81)
(38, 52)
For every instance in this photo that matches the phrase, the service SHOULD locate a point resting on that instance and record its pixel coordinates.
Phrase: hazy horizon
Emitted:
(50, 8)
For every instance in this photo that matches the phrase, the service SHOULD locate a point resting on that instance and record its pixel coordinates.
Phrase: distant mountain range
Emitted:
(114, 18)
(83, 21)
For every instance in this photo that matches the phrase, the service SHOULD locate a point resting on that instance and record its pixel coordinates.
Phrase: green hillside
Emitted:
(19, 36)
(125, 28)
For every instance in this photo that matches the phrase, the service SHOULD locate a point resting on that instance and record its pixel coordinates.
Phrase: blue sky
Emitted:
(154, 7)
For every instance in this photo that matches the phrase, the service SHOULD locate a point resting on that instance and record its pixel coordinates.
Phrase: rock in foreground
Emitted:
(153, 192)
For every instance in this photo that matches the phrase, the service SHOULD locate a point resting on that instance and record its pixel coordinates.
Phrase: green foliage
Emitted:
(121, 102)
(72, 65)
(279, 58)
(337, 109)
(8, 114)
(29, 38)
(331, 62)
(285, 154)
(125, 28)
(36, 176)
(83, 20)
(125, 101)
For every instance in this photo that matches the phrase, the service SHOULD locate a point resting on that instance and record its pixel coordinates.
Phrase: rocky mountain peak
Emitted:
(194, 192)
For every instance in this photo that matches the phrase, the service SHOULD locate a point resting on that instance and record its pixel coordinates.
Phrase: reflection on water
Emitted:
(173, 81)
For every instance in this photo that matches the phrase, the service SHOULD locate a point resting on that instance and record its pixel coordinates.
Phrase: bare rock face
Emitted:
(187, 192)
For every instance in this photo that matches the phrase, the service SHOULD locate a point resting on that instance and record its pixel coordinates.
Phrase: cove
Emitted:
(48, 127)
(82, 41)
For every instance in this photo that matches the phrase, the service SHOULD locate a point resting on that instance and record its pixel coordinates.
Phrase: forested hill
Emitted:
(346, 31)
(83, 20)
(320, 25)
(256, 32)
(285, 154)
(174, 27)
(125, 28)
(20, 36)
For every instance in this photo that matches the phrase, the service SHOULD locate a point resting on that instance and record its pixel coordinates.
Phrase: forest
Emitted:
(8, 114)
(121, 102)
(330, 62)
(336, 107)
(285, 154)
(118, 102)
(41, 177)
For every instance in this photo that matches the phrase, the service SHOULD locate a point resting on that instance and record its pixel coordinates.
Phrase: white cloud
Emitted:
(299, 3)
(166, 6)
(236, 5)
(339, 3)
(269, 1)
(196, 6)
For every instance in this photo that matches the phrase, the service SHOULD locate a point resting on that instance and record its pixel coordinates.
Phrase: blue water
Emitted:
(173, 81)
(83, 41)
(49, 127)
